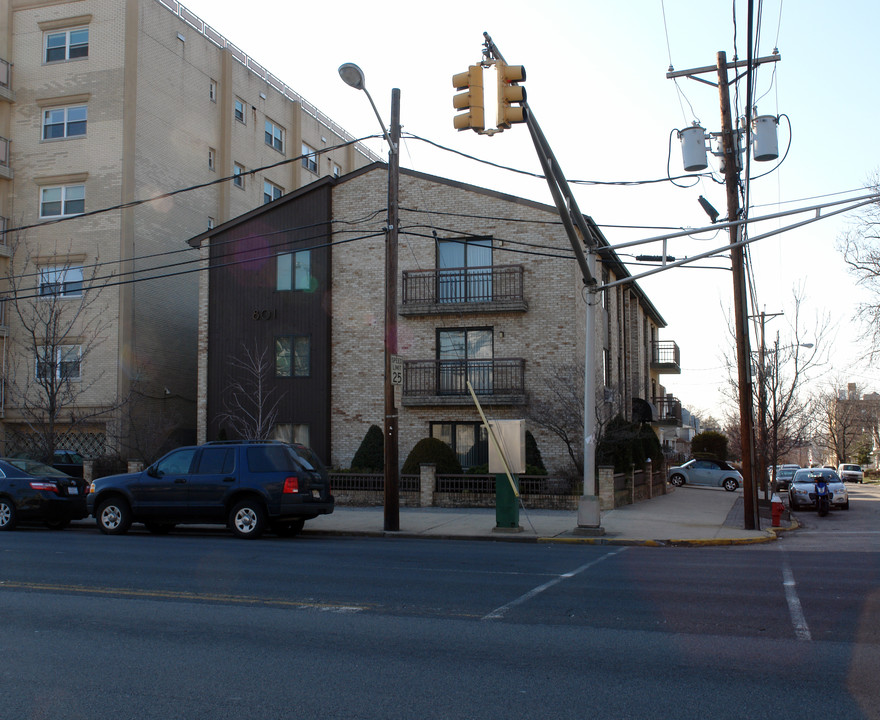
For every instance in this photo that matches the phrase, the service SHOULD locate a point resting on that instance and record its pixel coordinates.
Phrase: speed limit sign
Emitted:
(396, 370)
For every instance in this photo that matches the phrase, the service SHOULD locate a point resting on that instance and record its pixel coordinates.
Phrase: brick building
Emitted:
(104, 103)
(488, 291)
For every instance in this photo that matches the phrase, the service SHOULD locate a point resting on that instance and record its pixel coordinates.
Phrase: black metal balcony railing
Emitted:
(668, 410)
(438, 378)
(435, 290)
(665, 356)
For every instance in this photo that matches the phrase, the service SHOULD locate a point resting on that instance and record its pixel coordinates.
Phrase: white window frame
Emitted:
(335, 169)
(61, 281)
(241, 117)
(274, 136)
(65, 121)
(238, 175)
(62, 358)
(67, 45)
(271, 191)
(310, 158)
(64, 199)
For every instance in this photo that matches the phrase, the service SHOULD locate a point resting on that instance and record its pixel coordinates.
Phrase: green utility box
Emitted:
(506, 503)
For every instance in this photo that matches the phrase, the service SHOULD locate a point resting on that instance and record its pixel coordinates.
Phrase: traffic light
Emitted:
(508, 93)
(471, 101)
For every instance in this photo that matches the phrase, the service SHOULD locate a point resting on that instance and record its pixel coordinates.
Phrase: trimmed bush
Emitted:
(370, 456)
(710, 444)
(432, 450)
(533, 456)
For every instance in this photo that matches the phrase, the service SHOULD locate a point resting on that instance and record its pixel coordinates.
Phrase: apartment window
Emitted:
(335, 170)
(464, 270)
(469, 441)
(61, 363)
(274, 136)
(67, 45)
(61, 281)
(64, 122)
(238, 175)
(292, 356)
(212, 159)
(210, 223)
(212, 90)
(291, 433)
(465, 354)
(271, 192)
(62, 201)
(309, 158)
(239, 111)
(294, 271)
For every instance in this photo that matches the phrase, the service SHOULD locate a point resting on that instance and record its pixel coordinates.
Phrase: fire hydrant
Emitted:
(776, 508)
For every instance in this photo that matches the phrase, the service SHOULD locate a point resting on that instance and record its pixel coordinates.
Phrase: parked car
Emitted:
(850, 473)
(784, 474)
(245, 485)
(716, 473)
(802, 491)
(69, 462)
(30, 491)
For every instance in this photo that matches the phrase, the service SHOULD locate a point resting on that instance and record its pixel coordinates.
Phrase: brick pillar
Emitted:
(606, 487)
(135, 466)
(427, 481)
(649, 474)
(88, 470)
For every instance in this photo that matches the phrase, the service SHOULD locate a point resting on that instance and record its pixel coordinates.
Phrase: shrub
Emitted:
(710, 444)
(432, 450)
(533, 456)
(370, 456)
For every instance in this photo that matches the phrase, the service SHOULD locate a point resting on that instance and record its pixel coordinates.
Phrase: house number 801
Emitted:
(264, 314)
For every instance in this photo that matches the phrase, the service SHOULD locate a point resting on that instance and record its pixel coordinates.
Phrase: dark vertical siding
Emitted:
(245, 308)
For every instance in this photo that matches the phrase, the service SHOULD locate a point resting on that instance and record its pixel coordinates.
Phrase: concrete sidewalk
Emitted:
(684, 516)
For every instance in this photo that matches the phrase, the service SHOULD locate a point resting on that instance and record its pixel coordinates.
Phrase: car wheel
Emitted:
(7, 514)
(792, 502)
(158, 528)
(113, 516)
(730, 484)
(290, 528)
(677, 480)
(57, 524)
(846, 505)
(248, 519)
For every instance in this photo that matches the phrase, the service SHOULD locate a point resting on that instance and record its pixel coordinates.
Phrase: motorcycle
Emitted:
(823, 497)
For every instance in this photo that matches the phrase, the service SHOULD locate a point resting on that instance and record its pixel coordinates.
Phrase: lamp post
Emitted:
(353, 76)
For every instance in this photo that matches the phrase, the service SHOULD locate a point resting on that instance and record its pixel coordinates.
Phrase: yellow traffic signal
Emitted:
(471, 101)
(508, 93)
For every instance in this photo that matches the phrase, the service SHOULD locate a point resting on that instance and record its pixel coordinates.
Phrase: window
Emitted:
(294, 271)
(463, 355)
(60, 363)
(271, 192)
(469, 441)
(212, 159)
(464, 270)
(64, 122)
(216, 461)
(176, 463)
(239, 111)
(274, 136)
(61, 281)
(238, 175)
(291, 433)
(210, 223)
(61, 201)
(309, 158)
(292, 356)
(212, 90)
(67, 45)
(335, 170)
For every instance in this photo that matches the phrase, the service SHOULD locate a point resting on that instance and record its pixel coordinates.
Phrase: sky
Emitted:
(596, 83)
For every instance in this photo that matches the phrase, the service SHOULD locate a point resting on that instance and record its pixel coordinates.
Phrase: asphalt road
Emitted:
(201, 625)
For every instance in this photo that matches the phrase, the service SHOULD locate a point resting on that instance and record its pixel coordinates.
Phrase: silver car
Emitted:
(802, 491)
(715, 473)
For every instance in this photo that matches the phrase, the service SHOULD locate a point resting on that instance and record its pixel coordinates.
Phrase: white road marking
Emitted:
(801, 630)
(498, 613)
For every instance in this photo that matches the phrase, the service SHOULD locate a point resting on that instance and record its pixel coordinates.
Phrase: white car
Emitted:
(803, 488)
(850, 473)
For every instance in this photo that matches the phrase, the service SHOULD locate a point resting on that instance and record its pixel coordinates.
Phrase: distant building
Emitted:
(104, 103)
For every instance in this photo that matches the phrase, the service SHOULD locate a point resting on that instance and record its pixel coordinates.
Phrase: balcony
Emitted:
(498, 288)
(668, 410)
(443, 382)
(5, 250)
(5, 169)
(665, 357)
(6, 94)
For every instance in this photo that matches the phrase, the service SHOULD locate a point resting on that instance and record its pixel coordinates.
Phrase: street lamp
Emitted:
(353, 76)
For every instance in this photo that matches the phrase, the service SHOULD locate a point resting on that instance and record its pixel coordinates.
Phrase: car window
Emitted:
(271, 458)
(176, 463)
(307, 458)
(216, 461)
(32, 467)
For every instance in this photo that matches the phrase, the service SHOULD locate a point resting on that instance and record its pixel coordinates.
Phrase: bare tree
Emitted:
(250, 406)
(152, 423)
(59, 322)
(860, 245)
(847, 419)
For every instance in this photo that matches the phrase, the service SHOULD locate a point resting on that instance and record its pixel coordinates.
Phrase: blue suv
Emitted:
(248, 486)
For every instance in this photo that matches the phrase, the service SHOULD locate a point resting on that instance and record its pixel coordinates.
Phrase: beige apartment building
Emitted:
(106, 107)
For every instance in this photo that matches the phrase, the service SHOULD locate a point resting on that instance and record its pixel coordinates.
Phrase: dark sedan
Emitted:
(32, 491)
